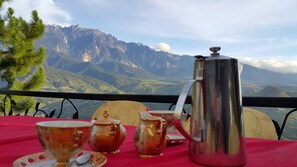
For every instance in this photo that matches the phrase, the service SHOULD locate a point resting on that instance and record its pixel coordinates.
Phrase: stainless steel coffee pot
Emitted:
(216, 129)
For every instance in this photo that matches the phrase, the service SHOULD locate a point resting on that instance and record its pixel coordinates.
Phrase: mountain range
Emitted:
(88, 60)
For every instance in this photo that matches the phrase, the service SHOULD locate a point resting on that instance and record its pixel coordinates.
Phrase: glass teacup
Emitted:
(63, 139)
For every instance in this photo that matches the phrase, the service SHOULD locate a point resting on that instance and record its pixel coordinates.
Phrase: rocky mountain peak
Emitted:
(90, 45)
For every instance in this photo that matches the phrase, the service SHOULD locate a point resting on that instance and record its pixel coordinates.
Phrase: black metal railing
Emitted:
(281, 102)
(275, 102)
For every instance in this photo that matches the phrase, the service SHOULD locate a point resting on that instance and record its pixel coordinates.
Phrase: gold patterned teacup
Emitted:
(63, 139)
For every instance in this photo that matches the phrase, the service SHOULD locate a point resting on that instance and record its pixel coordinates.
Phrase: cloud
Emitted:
(263, 30)
(163, 47)
(256, 28)
(216, 21)
(224, 19)
(277, 65)
(48, 11)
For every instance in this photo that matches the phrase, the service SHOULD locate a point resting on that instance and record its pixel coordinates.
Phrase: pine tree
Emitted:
(21, 65)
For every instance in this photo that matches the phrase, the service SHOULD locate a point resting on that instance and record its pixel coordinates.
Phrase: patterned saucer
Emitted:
(42, 159)
(174, 137)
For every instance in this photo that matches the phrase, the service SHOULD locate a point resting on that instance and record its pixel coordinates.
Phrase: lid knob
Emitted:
(105, 114)
(105, 120)
(215, 50)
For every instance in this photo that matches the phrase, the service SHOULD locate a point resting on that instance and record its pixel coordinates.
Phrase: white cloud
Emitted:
(277, 65)
(163, 47)
(216, 21)
(48, 11)
(224, 19)
(255, 28)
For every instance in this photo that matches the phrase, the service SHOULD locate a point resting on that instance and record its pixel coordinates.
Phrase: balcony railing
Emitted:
(274, 102)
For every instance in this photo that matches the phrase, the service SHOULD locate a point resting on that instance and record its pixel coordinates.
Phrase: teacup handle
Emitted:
(179, 108)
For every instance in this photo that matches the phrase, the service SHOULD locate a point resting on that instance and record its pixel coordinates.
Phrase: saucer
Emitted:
(42, 159)
(174, 137)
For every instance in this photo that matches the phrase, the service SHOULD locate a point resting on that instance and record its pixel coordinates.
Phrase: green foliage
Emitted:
(63, 81)
(21, 66)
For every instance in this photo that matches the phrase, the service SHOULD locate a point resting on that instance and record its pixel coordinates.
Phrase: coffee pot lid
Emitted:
(216, 55)
(105, 120)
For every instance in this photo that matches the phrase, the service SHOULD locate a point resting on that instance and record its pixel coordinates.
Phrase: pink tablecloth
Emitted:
(18, 138)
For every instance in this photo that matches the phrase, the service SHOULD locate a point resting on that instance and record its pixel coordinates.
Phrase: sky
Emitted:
(262, 33)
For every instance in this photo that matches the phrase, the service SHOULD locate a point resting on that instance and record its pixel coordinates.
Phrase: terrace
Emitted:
(287, 103)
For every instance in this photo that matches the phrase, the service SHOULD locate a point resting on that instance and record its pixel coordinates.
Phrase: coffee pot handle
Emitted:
(179, 108)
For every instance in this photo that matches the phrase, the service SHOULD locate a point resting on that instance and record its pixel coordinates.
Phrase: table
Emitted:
(18, 138)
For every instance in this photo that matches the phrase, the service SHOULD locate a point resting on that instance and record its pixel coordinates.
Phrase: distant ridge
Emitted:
(252, 74)
(272, 91)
